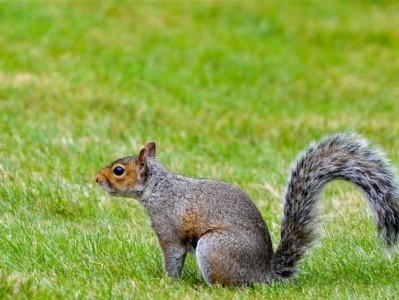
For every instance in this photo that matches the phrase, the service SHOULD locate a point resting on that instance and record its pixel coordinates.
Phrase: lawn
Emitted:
(228, 90)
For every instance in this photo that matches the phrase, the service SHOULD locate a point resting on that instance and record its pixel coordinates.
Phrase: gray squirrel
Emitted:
(223, 228)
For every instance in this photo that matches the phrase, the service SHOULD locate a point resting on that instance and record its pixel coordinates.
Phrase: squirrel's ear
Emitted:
(142, 158)
(142, 167)
(151, 146)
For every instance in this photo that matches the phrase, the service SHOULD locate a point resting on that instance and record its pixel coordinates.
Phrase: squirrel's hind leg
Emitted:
(231, 259)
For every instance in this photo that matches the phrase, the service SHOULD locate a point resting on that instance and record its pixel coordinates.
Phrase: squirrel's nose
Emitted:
(97, 178)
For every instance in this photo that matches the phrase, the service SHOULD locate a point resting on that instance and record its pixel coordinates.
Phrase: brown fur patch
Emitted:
(191, 228)
(194, 225)
(219, 278)
(218, 273)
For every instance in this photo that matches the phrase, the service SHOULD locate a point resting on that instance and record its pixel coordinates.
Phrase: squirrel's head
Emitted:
(126, 177)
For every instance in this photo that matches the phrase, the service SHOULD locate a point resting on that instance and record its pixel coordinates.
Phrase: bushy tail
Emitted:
(340, 156)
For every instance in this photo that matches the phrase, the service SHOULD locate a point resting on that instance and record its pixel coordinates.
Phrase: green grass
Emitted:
(229, 90)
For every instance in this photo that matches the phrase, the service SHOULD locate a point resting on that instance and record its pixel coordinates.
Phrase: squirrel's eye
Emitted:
(118, 171)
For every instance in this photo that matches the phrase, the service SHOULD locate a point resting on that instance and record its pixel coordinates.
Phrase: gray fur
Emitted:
(226, 230)
(231, 225)
(341, 156)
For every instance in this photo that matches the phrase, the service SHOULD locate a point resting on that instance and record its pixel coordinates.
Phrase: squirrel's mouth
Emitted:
(104, 184)
(106, 187)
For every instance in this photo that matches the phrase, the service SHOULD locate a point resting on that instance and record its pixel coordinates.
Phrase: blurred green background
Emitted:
(228, 89)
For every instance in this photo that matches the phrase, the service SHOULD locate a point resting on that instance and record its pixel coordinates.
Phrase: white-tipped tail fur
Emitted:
(341, 156)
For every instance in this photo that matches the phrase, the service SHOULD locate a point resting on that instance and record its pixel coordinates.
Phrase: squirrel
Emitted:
(222, 227)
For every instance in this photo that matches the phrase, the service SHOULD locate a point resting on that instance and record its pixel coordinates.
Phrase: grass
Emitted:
(229, 90)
